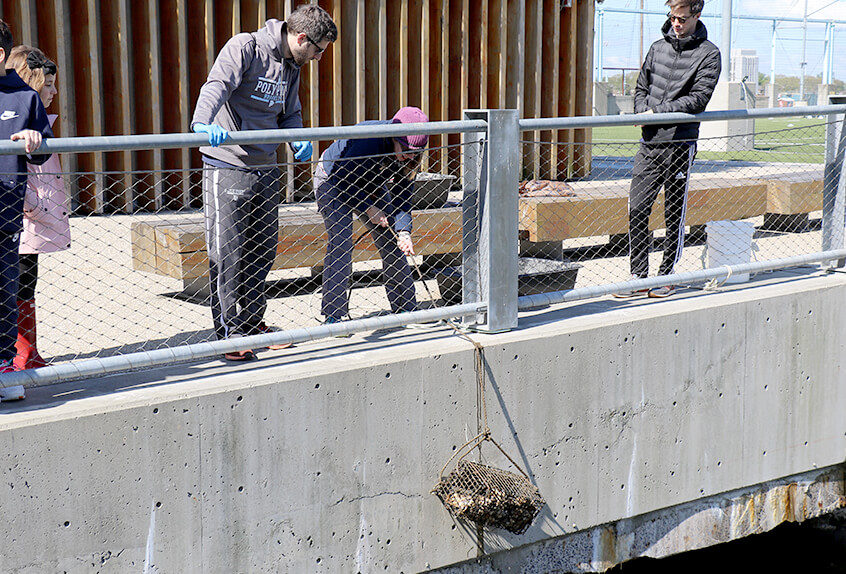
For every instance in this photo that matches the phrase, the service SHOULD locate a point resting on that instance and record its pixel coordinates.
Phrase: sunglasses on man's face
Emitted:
(316, 45)
(679, 19)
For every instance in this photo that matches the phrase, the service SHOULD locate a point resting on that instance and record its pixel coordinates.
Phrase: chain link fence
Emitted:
(770, 179)
(139, 282)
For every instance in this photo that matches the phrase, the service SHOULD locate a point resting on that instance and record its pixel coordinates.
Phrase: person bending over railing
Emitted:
(372, 178)
(252, 85)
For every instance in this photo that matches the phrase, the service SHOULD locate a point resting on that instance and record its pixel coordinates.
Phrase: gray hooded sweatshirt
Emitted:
(253, 85)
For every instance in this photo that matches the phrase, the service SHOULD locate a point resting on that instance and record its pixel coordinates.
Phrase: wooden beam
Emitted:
(566, 89)
(383, 59)
(457, 79)
(250, 15)
(156, 96)
(415, 58)
(349, 64)
(361, 54)
(224, 15)
(395, 38)
(67, 93)
(338, 64)
(584, 79)
(405, 49)
(236, 25)
(185, 100)
(115, 58)
(550, 35)
(275, 9)
(28, 22)
(326, 80)
(495, 60)
(141, 73)
(47, 33)
(531, 79)
(433, 20)
(84, 21)
(479, 42)
(371, 59)
(515, 53)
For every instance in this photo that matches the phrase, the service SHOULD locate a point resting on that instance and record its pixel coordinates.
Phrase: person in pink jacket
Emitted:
(46, 228)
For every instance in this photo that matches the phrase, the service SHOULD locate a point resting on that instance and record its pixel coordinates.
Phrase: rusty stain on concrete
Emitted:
(698, 524)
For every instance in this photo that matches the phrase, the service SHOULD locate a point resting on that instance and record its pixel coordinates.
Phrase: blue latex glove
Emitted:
(302, 150)
(217, 135)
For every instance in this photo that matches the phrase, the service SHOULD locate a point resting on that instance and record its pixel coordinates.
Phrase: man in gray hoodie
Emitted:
(253, 85)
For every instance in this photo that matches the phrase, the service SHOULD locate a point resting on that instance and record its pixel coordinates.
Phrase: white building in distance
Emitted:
(744, 64)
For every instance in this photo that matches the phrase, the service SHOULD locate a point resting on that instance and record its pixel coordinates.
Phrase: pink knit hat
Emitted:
(411, 115)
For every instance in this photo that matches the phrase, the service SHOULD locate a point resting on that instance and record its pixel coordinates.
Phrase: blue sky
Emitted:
(622, 30)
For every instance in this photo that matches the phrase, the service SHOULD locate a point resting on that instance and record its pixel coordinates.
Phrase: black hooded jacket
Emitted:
(678, 75)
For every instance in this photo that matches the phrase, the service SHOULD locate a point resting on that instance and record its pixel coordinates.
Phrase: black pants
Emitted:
(9, 269)
(242, 230)
(29, 276)
(664, 165)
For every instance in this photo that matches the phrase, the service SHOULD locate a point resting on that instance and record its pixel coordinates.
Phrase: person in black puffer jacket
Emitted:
(678, 75)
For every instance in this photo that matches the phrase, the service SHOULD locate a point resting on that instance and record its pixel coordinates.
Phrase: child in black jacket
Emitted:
(22, 117)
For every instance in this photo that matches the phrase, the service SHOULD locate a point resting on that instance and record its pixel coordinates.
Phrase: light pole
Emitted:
(803, 63)
(725, 47)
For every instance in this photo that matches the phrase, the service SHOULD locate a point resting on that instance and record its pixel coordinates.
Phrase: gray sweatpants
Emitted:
(242, 230)
(337, 265)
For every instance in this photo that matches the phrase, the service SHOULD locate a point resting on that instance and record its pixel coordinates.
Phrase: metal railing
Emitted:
(482, 231)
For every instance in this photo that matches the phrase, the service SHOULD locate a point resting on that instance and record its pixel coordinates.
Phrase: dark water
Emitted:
(816, 546)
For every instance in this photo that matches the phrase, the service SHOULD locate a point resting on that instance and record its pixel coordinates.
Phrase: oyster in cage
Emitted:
(490, 496)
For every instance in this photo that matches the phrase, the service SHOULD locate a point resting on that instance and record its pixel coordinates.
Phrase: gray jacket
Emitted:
(253, 85)
(678, 75)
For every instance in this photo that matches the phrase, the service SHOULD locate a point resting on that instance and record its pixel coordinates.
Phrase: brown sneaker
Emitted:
(246, 355)
(631, 293)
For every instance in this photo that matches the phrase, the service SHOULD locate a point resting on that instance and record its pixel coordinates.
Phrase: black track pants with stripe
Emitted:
(242, 230)
(664, 165)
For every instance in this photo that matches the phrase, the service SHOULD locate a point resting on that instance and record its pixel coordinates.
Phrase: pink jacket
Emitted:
(46, 208)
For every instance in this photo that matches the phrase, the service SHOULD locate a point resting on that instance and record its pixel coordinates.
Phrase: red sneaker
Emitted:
(263, 329)
(246, 355)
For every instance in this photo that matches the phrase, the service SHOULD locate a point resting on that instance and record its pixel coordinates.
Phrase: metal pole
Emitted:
(498, 245)
(725, 41)
(474, 165)
(640, 44)
(684, 278)
(829, 68)
(600, 25)
(834, 202)
(773, 66)
(803, 63)
(826, 56)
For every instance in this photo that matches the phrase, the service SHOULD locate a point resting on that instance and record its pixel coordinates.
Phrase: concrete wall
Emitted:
(322, 459)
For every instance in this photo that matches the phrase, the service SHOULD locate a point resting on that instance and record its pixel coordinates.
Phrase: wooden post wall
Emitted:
(133, 67)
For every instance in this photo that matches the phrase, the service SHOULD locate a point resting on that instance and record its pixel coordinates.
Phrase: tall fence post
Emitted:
(472, 153)
(834, 182)
(496, 221)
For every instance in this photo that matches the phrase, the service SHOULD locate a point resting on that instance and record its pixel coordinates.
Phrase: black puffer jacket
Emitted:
(678, 75)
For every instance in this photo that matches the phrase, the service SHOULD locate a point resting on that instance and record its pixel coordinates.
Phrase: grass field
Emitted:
(799, 140)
